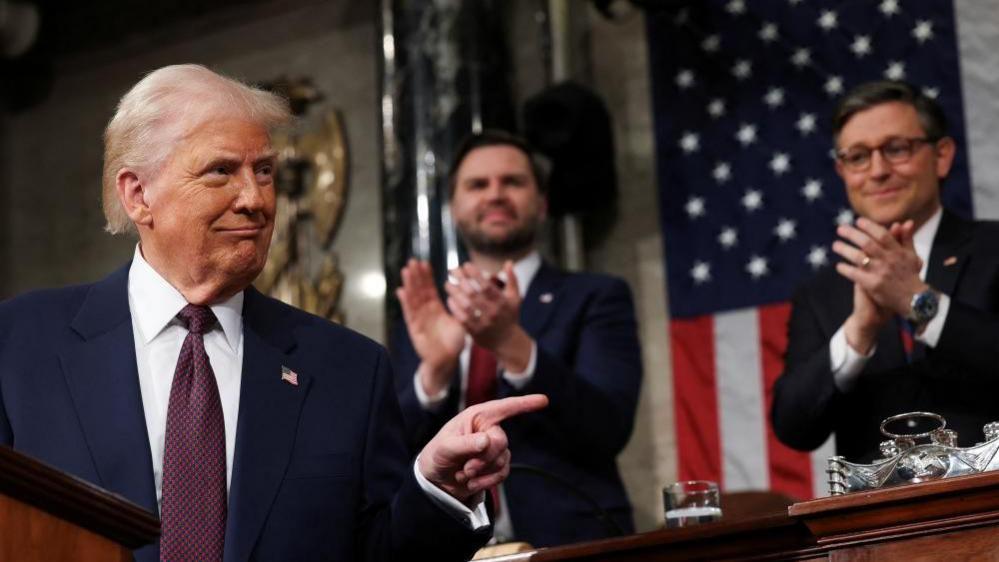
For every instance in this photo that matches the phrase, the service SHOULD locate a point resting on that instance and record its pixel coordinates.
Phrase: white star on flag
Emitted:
(742, 69)
(716, 108)
(685, 78)
(780, 163)
(722, 172)
(785, 229)
(801, 58)
(817, 257)
(689, 142)
(746, 134)
(828, 20)
(833, 85)
(701, 272)
(889, 8)
(861, 46)
(845, 216)
(931, 93)
(774, 98)
(757, 267)
(768, 33)
(736, 7)
(812, 189)
(923, 31)
(806, 123)
(728, 237)
(711, 43)
(752, 200)
(695, 207)
(895, 71)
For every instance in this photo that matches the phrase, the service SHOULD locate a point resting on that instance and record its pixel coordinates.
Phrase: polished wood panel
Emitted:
(48, 515)
(31, 535)
(954, 519)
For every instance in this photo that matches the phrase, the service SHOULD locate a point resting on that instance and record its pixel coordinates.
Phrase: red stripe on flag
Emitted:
(790, 470)
(695, 399)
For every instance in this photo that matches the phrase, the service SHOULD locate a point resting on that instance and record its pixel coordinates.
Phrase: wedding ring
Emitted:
(865, 262)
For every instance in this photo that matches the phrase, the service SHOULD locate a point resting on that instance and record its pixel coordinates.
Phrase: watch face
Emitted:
(924, 307)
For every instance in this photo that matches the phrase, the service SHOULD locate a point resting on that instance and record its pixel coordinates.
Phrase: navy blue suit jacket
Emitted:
(321, 469)
(589, 365)
(956, 379)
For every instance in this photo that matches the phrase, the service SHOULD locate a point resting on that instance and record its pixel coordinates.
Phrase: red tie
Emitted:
(481, 376)
(905, 333)
(482, 388)
(194, 488)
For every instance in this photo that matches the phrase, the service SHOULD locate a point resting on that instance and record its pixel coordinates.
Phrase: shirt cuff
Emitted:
(931, 333)
(844, 361)
(429, 403)
(520, 380)
(475, 519)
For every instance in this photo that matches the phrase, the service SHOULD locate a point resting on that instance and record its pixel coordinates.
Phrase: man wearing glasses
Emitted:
(907, 321)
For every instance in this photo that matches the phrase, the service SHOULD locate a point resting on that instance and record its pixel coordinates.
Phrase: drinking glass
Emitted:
(691, 502)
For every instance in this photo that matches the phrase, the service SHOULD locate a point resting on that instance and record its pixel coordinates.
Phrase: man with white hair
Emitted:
(257, 431)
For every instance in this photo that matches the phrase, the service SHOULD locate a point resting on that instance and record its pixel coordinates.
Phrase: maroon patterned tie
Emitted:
(193, 507)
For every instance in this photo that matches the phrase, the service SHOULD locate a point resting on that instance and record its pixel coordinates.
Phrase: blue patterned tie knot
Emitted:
(198, 319)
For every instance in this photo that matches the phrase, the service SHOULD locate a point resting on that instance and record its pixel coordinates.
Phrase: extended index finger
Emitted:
(493, 412)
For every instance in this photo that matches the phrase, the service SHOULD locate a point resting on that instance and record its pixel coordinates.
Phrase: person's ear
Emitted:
(132, 195)
(945, 148)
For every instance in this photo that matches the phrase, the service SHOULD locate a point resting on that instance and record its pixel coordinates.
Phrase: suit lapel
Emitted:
(950, 253)
(540, 300)
(268, 420)
(103, 381)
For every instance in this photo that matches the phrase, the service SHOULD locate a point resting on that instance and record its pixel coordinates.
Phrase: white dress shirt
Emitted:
(525, 269)
(846, 363)
(154, 305)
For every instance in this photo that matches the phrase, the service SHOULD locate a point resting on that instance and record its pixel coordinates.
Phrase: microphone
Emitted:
(596, 510)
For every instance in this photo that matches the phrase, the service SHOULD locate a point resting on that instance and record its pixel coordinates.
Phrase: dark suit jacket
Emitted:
(958, 379)
(321, 470)
(589, 365)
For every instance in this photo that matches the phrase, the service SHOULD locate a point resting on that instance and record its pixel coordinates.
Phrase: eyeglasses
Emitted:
(897, 150)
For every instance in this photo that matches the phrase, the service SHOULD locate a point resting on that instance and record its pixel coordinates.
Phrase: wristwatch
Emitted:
(922, 309)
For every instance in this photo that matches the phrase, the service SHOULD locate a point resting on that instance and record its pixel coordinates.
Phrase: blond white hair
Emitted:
(164, 107)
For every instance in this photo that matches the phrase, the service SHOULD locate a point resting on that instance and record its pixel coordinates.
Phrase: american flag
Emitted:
(289, 376)
(742, 97)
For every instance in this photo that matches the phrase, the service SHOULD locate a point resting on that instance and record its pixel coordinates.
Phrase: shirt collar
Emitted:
(922, 239)
(154, 303)
(525, 269)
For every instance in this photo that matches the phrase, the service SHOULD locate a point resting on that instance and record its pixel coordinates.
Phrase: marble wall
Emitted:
(52, 218)
(633, 250)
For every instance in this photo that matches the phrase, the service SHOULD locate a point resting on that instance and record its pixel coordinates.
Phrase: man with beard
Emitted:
(514, 325)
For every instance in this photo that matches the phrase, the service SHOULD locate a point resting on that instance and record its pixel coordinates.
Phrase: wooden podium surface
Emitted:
(953, 519)
(48, 515)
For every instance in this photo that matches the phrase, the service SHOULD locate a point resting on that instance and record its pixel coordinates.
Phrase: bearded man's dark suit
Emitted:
(589, 365)
(321, 468)
(958, 379)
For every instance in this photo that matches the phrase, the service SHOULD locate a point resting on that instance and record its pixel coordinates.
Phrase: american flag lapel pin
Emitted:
(289, 376)
(950, 261)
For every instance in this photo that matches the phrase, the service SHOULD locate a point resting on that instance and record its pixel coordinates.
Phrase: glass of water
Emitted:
(691, 502)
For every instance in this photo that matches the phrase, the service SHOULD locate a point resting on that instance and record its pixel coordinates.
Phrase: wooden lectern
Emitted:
(952, 519)
(48, 515)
